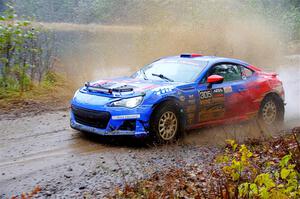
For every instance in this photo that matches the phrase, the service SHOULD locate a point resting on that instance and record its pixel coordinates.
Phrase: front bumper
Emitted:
(117, 122)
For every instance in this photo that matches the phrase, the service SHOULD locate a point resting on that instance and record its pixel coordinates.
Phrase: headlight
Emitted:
(129, 103)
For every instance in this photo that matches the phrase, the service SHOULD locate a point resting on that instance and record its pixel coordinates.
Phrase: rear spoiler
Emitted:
(272, 74)
(102, 89)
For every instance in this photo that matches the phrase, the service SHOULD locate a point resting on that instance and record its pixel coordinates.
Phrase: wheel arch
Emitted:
(276, 96)
(176, 102)
(277, 124)
(273, 94)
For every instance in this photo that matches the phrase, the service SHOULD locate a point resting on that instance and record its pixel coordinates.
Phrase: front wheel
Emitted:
(165, 122)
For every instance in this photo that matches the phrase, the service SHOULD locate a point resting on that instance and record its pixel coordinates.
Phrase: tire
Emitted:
(271, 114)
(166, 123)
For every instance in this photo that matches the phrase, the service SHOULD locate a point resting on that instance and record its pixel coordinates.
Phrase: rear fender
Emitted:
(275, 94)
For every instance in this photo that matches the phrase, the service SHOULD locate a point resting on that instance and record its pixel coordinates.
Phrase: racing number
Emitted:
(205, 94)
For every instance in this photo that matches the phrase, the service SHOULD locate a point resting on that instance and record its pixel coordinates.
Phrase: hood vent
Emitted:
(109, 90)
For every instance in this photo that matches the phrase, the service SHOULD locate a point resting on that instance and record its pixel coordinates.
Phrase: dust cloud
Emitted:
(289, 74)
(109, 51)
(221, 28)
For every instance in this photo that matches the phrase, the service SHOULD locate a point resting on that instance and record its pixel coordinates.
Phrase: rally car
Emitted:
(177, 93)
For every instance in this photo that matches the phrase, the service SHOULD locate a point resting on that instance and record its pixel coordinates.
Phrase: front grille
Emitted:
(97, 119)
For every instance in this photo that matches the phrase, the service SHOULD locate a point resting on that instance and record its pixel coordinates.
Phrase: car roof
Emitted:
(210, 59)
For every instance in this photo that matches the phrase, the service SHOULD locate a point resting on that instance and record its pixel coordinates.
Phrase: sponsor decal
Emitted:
(216, 111)
(213, 93)
(163, 90)
(227, 89)
(191, 96)
(218, 92)
(122, 117)
(212, 104)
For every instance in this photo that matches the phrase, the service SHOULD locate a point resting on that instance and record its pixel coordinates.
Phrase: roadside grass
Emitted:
(54, 89)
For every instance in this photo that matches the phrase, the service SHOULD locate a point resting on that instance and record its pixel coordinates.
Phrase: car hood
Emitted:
(96, 94)
(126, 87)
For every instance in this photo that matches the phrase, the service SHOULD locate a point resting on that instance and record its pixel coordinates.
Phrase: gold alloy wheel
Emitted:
(269, 112)
(167, 125)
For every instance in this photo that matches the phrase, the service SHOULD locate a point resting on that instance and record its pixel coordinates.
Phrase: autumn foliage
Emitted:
(28, 195)
(268, 169)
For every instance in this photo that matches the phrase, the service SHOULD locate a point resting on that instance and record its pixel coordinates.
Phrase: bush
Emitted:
(245, 176)
(52, 79)
(23, 60)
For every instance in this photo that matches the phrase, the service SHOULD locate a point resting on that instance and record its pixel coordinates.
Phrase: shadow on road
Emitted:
(117, 141)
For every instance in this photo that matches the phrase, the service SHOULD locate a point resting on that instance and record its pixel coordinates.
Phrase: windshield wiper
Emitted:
(145, 76)
(161, 76)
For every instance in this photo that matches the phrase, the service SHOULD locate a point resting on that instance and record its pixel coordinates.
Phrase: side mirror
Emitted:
(214, 79)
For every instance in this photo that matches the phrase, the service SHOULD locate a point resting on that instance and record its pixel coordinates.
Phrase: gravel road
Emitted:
(43, 150)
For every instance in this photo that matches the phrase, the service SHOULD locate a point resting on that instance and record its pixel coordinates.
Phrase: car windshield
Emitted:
(171, 70)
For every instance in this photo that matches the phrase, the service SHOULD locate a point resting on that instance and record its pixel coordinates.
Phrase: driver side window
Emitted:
(230, 72)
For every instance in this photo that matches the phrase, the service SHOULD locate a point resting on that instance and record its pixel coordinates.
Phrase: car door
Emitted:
(226, 100)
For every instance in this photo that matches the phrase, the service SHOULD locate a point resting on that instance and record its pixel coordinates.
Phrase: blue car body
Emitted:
(153, 92)
(91, 108)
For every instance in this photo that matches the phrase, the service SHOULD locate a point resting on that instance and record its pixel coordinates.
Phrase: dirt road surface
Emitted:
(43, 150)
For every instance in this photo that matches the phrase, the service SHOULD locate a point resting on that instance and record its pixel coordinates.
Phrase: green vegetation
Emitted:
(25, 54)
(247, 178)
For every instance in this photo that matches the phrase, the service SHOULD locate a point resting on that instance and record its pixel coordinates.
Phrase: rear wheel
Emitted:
(165, 122)
(271, 114)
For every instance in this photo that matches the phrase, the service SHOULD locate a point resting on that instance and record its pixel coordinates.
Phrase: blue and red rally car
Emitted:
(177, 93)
